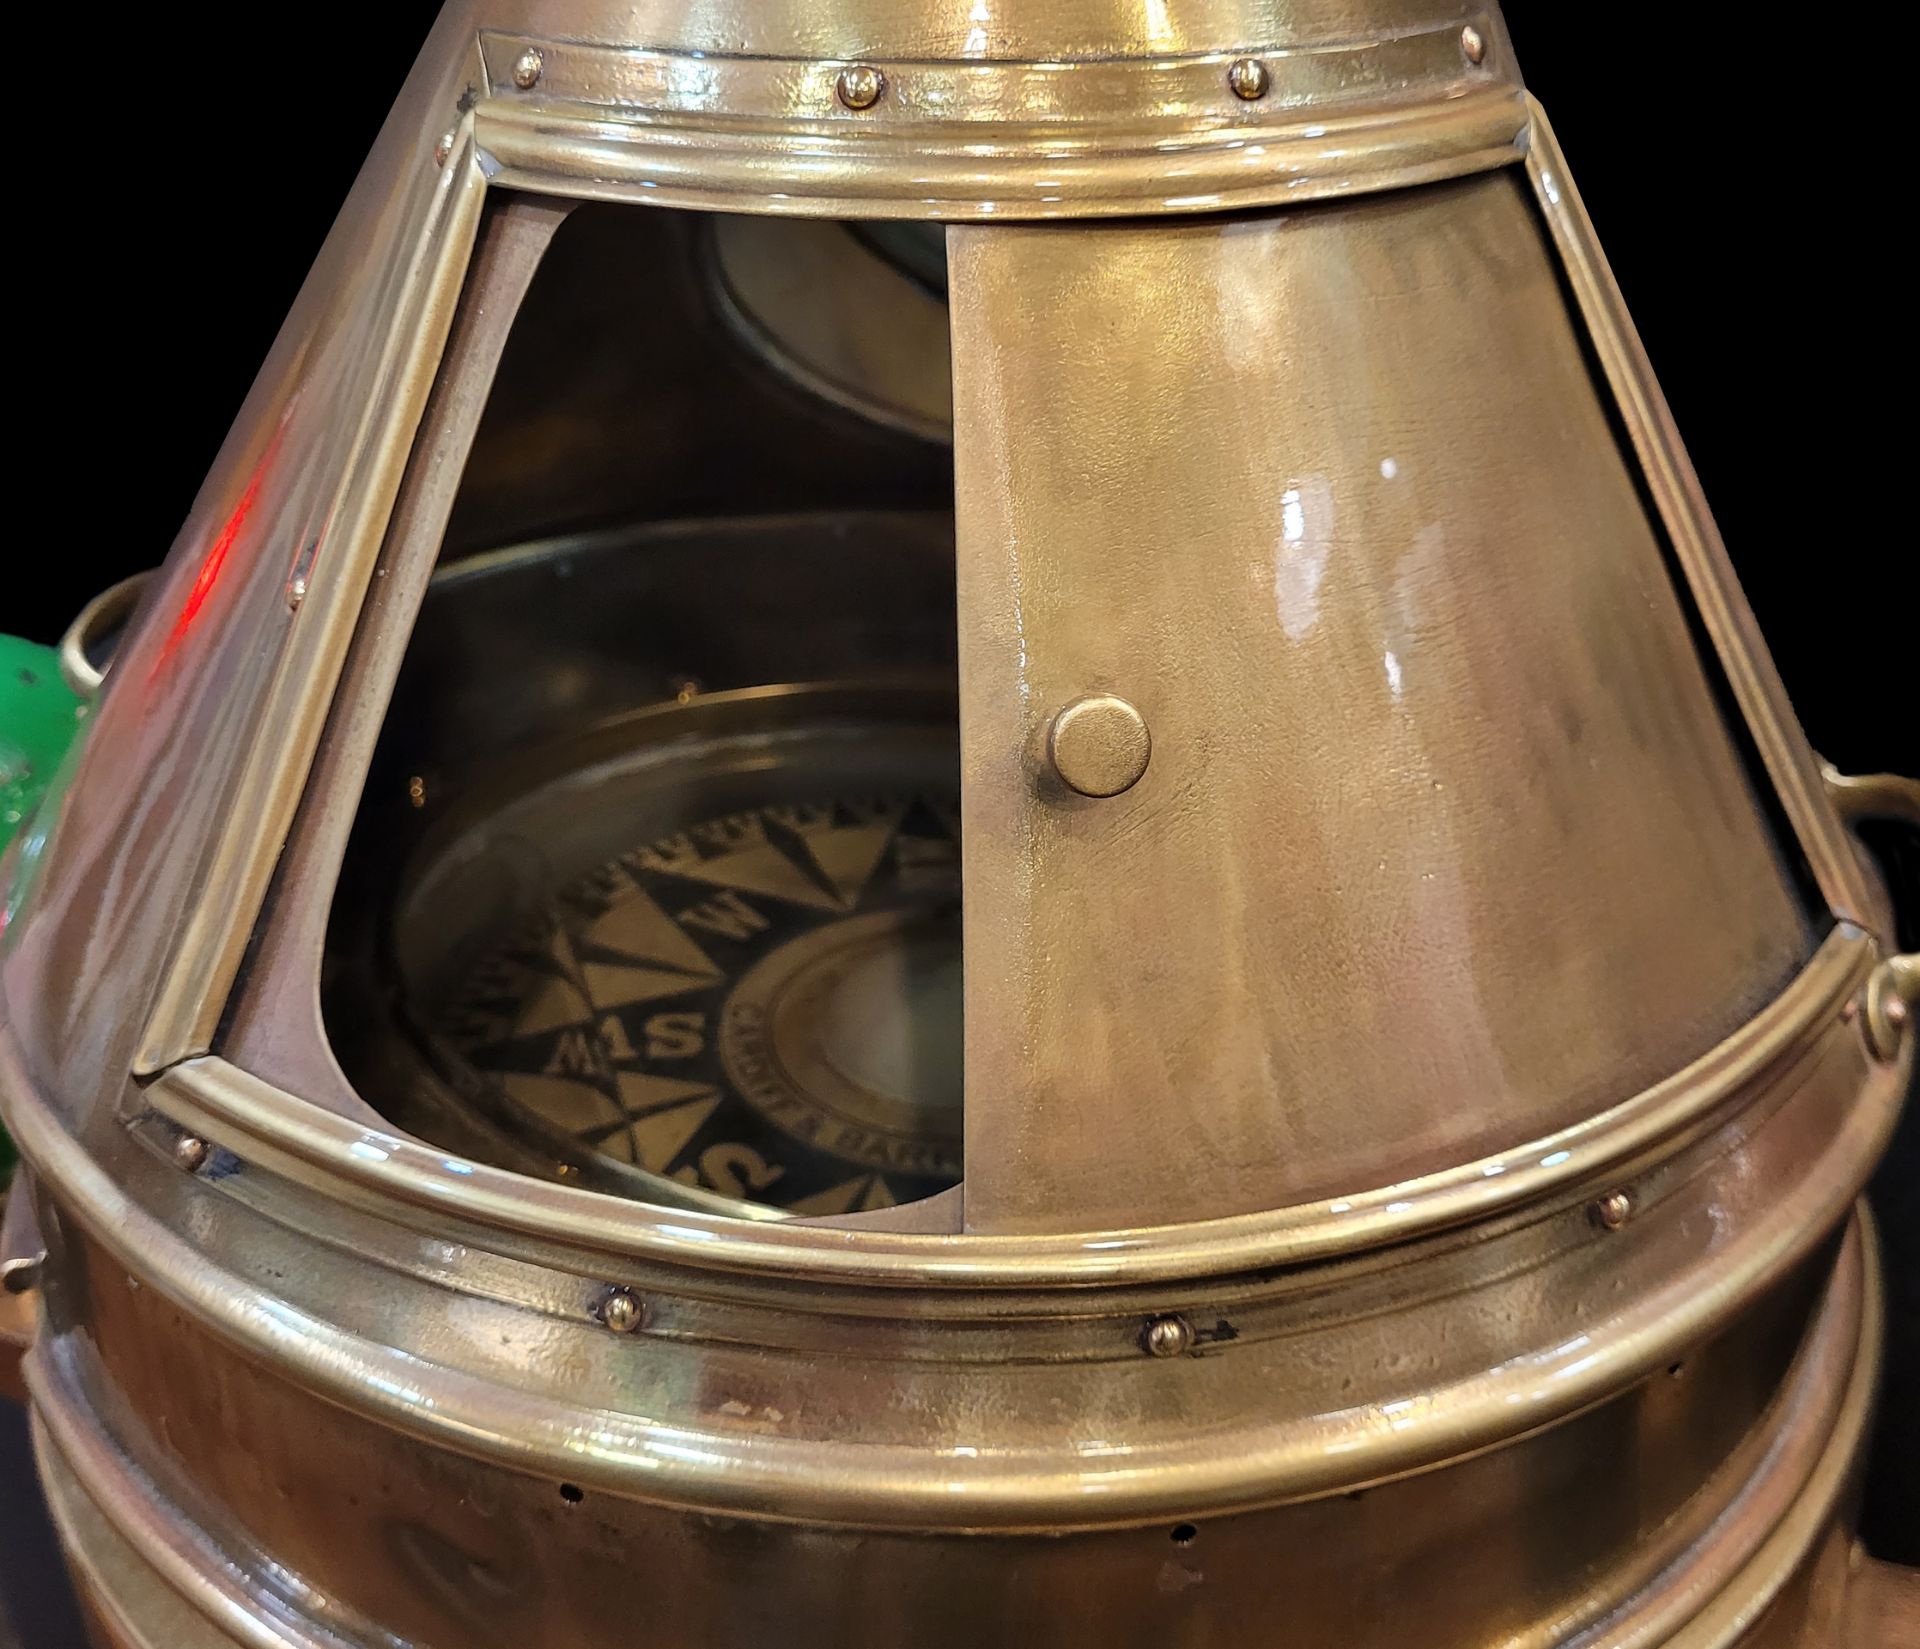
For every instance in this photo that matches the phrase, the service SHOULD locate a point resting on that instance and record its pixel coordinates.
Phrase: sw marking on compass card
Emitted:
(765, 1004)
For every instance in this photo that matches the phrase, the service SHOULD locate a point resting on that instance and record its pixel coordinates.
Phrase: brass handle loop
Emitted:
(101, 616)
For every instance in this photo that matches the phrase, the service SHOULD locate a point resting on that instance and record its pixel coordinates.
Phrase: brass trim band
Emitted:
(216, 1100)
(1022, 173)
(927, 93)
(299, 696)
(130, 1540)
(1806, 1154)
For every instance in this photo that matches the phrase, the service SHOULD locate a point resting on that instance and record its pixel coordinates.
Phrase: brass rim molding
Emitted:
(1804, 1156)
(1716, 1574)
(149, 1570)
(325, 603)
(212, 1098)
(1773, 1528)
(996, 138)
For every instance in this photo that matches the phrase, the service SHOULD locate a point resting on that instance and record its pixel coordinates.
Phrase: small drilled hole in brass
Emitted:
(1185, 1534)
(1675, 1369)
(572, 1493)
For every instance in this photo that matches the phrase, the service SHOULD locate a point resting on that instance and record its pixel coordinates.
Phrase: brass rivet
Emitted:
(1170, 1336)
(1613, 1210)
(296, 592)
(860, 86)
(1249, 78)
(1473, 43)
(621, 1312)
(1099, 745)
(191, 1153)
(527, 67)
(417, 791)
(443, 149)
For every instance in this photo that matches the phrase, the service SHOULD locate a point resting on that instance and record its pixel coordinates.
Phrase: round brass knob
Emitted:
(1099, 745)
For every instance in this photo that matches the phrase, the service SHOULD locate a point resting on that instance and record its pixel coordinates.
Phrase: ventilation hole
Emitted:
(1185, 1534)
(572, 1493)
(1675, 1368)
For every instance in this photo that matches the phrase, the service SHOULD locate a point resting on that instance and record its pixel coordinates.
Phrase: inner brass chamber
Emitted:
(657, 886)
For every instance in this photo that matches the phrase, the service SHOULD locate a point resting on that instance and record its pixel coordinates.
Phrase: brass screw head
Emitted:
(191, 1153)
(1473, 43)
(1249, 78)
(621, 1312)
(1613, 1210)
(1099, 745)
(1169, 1336)
(527, 67)
(860, 86)
(443, 149)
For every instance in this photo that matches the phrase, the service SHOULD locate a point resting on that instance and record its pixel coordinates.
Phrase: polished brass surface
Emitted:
(1753, 1071)
(1426, 1023)
(1511, 855)
(1671, 1277)
(1278, 1376)
(1092, 109)
(402, 1569)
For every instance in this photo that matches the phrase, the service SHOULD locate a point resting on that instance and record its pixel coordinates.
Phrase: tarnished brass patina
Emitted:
(951, 827)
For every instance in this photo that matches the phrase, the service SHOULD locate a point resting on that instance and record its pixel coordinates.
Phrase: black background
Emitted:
(1733, 188)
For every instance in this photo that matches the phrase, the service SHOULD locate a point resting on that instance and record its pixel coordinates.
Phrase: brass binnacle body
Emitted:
(1427, 1024)
(467, 1452)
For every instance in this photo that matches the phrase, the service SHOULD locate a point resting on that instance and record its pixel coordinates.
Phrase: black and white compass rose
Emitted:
(766, 1005)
